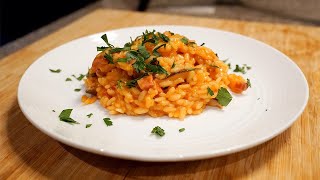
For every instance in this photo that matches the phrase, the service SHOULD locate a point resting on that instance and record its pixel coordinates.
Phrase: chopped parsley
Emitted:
(202, 44)
(107, 121)
(119, 84)
(88, 125)
(155, 50)
(77, 90)
(123, 60)
(105, 38)
(164, 37)
(143, 51)
(173, 65)
(53, 110)
(210, 92)
(65, 117)
(182, 129)
(223, 96)
(68, 79)
(55, 71)
(242, 69)
(115, 50)
(81, 76)
(158, 130)
(184, 40)
(109, 58)
(89, 115)
(101, 48)
(133, 82)
(248, 82)
(156, 69)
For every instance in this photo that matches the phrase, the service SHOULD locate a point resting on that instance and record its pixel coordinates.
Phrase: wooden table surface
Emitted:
(26, 153)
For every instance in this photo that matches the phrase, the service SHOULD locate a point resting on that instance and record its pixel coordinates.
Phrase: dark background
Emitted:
(18, 18)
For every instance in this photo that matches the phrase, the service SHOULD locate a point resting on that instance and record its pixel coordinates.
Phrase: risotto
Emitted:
(160, 74)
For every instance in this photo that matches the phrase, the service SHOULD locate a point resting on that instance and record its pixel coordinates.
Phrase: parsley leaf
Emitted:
(53, 110)
(123, 60)
(210, 92)
(68, 79)
(164, 37)
(155, 50)
(239, 69)
(202, 44)
(182, 129)
(107, 121)
(101, 48)
(119, 84)
(88, 125)
(77, 90)
(109, 58)
(89, 115)
(143, 51)
(243, 69)
(139, 66)
(55, 71)
(105, 38)
(65, 116)
(81, 76)
(133, 82)
(223, 96)
(156, 69)
(173, 65)
(158, 130)
(184, 40)
(248, 82)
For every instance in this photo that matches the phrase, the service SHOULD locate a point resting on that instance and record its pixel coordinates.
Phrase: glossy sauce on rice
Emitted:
(160, 75)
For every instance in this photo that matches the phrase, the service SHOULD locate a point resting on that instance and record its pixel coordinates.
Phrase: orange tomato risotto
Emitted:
(160, 74)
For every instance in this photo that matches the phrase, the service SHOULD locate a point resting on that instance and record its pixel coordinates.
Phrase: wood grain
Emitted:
(26, 153)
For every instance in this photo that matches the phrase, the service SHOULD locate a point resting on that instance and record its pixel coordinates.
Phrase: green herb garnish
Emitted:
(156, 69)
(143, 51)
(223, 96)
(77, 90)
(53, 110)
(68, 79)
(65, 117)
(164, 37)
(173, 65)
(202, 44)
(88, 125)
(242, 69)
(210, 92)
(184, 40)
(105, 38)
(55, 71)
(248, 82)
(89, 115)
(155, 50)
(133, 82)
(107, 121)
(182, 129)
(81, 76)
(101, 48)
(109, 58)
(119, 84)
(158, 130)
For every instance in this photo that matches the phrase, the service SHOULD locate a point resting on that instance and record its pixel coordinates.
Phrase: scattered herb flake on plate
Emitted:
(68, 79)
(158, 130)
(77, 90)
(108, 121)
(89, 115)
(55, 71)
(88, 125)
(65, 117)
(223, 96)
(182, 129)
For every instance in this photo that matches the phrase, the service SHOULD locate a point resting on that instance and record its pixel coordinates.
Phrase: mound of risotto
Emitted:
(160, 74)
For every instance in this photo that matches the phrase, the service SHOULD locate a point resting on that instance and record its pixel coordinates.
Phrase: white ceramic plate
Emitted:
(278, 96)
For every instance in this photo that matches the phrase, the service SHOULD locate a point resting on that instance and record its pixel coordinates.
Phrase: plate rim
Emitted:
(175, 158)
